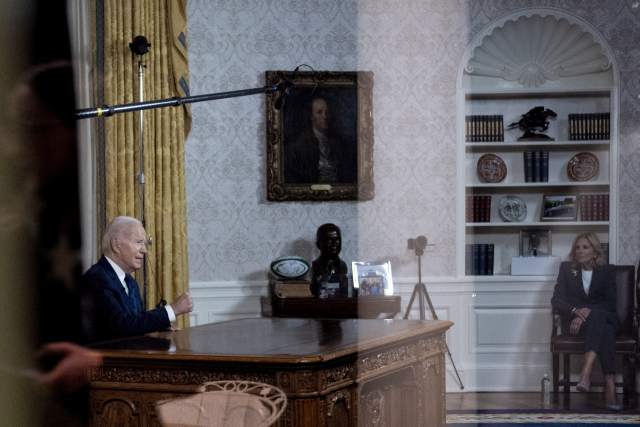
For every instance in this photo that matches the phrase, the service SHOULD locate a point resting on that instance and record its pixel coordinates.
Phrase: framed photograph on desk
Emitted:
(372, 278)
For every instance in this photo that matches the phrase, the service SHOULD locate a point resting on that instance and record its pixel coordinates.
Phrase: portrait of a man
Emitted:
(320, 136)
(320, 142)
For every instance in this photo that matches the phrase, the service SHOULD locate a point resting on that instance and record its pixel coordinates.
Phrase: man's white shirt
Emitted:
(327, 171)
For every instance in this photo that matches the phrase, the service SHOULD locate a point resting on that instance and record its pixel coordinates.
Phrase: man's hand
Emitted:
(173, 328)
(72, 371)
(582, 313)
(575, 325)
(184, 304)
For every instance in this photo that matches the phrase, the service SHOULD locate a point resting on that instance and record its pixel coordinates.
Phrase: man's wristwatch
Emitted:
(573, 311)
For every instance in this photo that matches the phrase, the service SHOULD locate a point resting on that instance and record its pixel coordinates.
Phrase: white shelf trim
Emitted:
(536, 143)
(540, 184)
(535, 224)
(560, 92)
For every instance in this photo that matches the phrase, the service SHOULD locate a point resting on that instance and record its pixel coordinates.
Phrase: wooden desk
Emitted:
(369, 307)
(334, 372)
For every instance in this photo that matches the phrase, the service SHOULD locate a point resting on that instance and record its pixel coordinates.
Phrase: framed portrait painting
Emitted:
(320, 143)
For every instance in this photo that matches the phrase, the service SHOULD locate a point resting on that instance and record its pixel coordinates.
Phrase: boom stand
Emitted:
(421, 291)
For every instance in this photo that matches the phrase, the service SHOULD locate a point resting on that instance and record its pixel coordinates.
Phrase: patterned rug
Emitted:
(550, 418)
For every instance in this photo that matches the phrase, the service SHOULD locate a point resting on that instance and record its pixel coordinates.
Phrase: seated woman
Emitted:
(585, 295)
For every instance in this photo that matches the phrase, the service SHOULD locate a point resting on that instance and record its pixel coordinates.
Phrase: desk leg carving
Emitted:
(116, 411)
(433, 398)
(372, 409)
(339, 409)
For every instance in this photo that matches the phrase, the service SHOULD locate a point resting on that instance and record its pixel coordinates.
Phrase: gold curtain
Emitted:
(165, 75)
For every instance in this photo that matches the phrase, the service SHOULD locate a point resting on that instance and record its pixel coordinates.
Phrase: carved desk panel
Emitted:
(351, 372)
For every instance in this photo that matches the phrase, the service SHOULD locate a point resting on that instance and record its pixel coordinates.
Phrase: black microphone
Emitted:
(284, 86)
(295, 74)
(280, 101)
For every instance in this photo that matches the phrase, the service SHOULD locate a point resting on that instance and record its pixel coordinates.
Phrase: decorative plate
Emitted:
(512, 209)
(491, 168)
(289, 267)
(583, 167)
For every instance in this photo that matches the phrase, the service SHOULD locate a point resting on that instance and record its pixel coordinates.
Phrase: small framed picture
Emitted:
(372, 278)
(559, 207)
(535, 243)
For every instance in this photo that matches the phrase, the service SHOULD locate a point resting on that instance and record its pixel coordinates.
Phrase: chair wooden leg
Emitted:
(567, 373)
(633, 375)
(556, 376)
(629, 372)
(626, 376)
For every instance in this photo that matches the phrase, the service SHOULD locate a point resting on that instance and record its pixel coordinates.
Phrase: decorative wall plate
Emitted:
(289, 267)
(512, 209)
(491, 168)
(583, 167)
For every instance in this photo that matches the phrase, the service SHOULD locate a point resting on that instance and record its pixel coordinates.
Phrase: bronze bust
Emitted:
(329, 241)
(329, 271)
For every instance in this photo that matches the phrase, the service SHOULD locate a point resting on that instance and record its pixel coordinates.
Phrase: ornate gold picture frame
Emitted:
(320, 144)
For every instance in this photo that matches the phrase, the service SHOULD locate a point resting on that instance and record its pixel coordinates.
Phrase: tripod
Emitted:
(421, 291)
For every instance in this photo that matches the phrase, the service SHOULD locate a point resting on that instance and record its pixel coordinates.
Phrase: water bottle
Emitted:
(546, 389)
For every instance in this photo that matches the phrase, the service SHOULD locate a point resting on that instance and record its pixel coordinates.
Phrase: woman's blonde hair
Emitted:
(595, 244)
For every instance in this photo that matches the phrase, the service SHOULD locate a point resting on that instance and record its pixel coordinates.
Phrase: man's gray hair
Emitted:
(115, 229)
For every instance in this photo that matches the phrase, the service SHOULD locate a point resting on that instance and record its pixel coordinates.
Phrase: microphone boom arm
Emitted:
(110, 110)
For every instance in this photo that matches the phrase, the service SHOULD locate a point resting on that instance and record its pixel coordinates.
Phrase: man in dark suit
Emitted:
(112, 306)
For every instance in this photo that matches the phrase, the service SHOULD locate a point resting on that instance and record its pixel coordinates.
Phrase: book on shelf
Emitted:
(589, 126)
(476, 259)
(484, 128)
(482, 270)
(537, 163)
(490, 250)
(291, 288)
(544, 166)
(583, 207)
(479, 259)
(536, 166)
(468, 260)
(594, 207)
(528, 166)
(478, 209)
(487, 208)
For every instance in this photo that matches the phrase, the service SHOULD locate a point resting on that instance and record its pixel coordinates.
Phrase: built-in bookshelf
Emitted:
(584, 131)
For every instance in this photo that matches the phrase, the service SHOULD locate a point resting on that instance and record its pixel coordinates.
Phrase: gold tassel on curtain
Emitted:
(163, 23)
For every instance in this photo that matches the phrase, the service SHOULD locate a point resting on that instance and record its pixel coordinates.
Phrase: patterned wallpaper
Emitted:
(414, 49)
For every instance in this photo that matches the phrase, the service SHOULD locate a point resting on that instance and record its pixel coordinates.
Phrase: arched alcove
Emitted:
(534, 57)
(538, 46)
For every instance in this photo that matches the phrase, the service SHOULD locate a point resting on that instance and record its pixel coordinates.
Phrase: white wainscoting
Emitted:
(499, 341)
